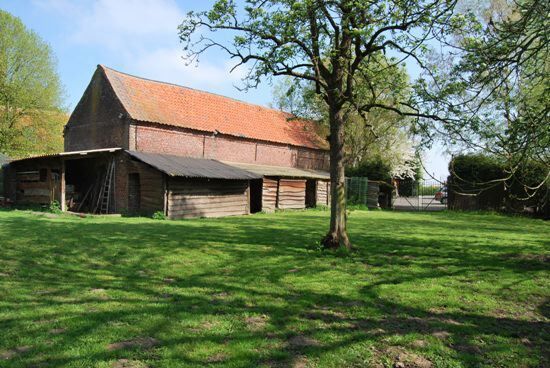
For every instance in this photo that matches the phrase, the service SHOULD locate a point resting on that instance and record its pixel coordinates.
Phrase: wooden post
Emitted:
(247, 209)
(165, 184)
(62, 187)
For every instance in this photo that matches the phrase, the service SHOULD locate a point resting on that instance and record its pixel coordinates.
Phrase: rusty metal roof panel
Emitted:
(280, 171)
(70, 154)
(190, 167)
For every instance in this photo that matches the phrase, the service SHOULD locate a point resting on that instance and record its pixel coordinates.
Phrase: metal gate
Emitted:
(421, 195)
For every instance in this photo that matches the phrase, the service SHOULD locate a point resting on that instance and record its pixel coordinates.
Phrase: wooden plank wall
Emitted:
(269, 194)
(189, 198)
(35, 183)
(323, 193)
(292, 194)
(151, 183)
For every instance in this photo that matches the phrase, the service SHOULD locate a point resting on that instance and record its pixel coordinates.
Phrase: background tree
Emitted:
(328, 42)
(493, 91)
(31, 120)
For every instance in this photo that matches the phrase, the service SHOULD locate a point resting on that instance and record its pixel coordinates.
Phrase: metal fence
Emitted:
(357, 189)
(421, 195)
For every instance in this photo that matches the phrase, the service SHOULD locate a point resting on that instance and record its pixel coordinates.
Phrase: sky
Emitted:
(140, 37)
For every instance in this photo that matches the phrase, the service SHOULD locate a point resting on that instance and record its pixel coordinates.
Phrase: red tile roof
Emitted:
(165, 103)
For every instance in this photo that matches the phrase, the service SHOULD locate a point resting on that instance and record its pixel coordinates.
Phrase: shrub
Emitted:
(55, 207)
(159, 215)
(374, 169)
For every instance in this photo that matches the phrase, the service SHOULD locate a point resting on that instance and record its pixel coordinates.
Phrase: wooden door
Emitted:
(134, 193)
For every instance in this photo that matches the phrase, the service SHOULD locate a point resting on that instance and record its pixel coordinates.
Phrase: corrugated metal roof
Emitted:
(70, 153)
(193, 167)
(283, 172)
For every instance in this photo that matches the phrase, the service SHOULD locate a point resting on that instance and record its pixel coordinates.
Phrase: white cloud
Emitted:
(167, 65)
(127, 23)
(140, 37)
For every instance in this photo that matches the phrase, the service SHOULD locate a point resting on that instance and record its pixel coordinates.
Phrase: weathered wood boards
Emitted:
(323, 193)
(151, 187)
(206, 198)
(269, 194)
(292, 194)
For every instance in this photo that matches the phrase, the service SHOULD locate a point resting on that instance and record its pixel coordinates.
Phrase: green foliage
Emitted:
(247, 291)
(492, 92)
(476, 169)
(55, 207)
(478, 173)
(379, 134)
(158, 215)
(31, 120)
(372, 168)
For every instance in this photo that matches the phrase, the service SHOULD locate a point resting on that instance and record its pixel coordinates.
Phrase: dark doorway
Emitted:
(255, 195)
(311, 191)
(83, 179)
(134, 194)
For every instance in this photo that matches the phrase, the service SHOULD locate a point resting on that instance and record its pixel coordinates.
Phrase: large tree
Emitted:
(327, 42)
(31, 120)
(380, 136)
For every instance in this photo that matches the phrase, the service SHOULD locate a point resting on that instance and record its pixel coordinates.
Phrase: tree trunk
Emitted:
(337, 235)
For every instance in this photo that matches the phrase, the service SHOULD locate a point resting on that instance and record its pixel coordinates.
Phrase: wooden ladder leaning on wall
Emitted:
(104, 198)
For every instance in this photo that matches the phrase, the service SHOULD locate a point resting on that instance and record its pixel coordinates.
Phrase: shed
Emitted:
(114, 180)
(286, 187)
(198, 187)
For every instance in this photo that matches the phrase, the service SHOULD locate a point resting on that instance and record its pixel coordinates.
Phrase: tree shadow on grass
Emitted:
(100, 276)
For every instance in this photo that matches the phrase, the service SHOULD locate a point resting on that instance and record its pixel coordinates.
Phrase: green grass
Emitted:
(422, 289)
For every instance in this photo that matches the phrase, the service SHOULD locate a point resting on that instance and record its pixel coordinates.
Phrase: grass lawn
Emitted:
(422, 290)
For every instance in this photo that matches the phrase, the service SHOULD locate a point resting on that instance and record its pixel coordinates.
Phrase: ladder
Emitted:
(104, 197)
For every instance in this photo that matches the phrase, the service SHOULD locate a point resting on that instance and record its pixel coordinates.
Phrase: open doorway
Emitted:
(83, 178)
(256, 195)
(311, 193)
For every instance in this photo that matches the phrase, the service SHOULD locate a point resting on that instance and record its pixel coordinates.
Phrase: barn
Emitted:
(138, 146)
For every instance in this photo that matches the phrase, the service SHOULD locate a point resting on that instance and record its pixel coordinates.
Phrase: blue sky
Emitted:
(137, 37)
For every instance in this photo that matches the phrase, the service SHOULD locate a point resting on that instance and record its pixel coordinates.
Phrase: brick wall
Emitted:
(98, 120)
(157, 138)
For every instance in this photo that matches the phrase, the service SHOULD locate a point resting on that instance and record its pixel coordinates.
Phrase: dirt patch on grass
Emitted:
(299, 361)
(467, 348)
(419, 344)
(57, 331)
(301, 341)
(219, 298)
(256, 323)
(441, 334)
(217, 358)
(128, 363)
(139, 342)
(404, 359)
(326, 316)
(209, 325)
(12, 353)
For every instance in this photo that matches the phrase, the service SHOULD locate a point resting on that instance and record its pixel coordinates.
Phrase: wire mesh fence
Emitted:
(357, 190)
